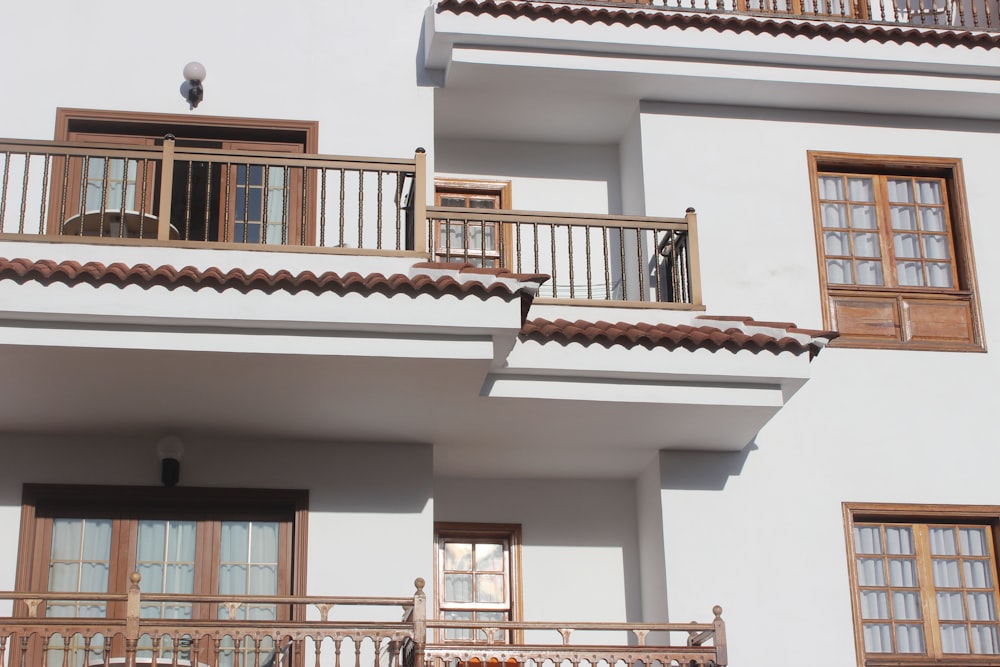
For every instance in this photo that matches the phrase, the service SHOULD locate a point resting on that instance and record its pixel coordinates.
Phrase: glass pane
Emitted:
(867, 540)
(457, 556)
(453, 201)
(97, 539)
(863, 217)
(861, 189)
(487, 616)
(903, 572)
(836, 243)
(874, 604)
(152, 577)
(906, 605)
(834, 215)
(910, 638)
(909, 274)
(66, 537)
(64, 576)
(932, 219)
(946, 573)
(458, 616)
(232, 580)
(866, 245)
(903, 217)
(489, 588)
(264, 542)
(179, 579)
(973, 541)
(954, 638)
(234, 541)
(181, 546)
(256, 174)
(482, 203)
(263, 580)
(906, 245)
(942, 541)
(458, 588)
(871, 572)
(900, 190)
(982, 607)
(831, 187)
(869, 273)
(950, 607)
(489, 557)
(977, 574)
(838, 271)
(929, 192)
(939, 274)
(984, 640)
(936, 247)
(878, 638)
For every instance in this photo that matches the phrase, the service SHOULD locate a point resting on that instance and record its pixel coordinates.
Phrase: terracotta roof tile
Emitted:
(744, 336)
(705, 20)
(46, 272)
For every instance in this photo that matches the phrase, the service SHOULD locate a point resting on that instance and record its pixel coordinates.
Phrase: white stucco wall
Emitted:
(580, 546)
(577, 178)
(375, 495)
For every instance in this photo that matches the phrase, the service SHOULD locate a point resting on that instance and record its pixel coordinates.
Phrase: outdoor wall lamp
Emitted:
(194, 74)
(170, 449)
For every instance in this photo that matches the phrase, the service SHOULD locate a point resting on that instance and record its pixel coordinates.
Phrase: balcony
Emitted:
(236, 199)
(131, 631)
(982, 15)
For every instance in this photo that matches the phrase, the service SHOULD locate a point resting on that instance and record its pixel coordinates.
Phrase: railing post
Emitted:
(694, 266)
(166, 188)
(721, 655)
(132, 619)
(420, 202)
(419, 620)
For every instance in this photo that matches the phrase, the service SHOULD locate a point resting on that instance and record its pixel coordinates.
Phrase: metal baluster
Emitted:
(246, 203)
(342, 196)
(187, 199)
(590, 274)
(285, 201)
(229, 182)
(265, 193)
(552, 251)
(41, 212)
(975, 15)
(640, 264)
(303, 206)
(361, 208)
(3, 190)
(62, 195)
(322, 207)
(123, 225)
(378, 219)
(607, 263)
(399, 218)
(144, 165)
(517, 231)
(208, 207)
(572, 273)
(657, 262)
(534, 238)
(621, 252)
(104, 198)
(24, 190)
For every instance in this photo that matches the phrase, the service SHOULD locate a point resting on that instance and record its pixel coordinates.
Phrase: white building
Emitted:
(611, 427)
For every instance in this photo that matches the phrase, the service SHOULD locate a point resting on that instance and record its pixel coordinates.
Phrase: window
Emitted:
(477, 569)
(189, 541)
(480, 242)
(895, 253)
(216, 200)
(924, 583)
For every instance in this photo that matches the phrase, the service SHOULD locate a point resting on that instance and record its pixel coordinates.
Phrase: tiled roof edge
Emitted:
(744, 334)
(47, 272)
(724, 23)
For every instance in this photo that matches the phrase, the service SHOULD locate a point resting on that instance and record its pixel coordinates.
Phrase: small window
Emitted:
(895, 253)
(476, 239)
(477, 569)
(924, 585)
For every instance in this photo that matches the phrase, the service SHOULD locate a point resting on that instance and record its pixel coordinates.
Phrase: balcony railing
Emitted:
(945, 14)
(240, 199)
(325, 631)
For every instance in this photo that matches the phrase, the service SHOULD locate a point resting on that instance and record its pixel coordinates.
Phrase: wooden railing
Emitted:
(322, 631)
(169, 192)
(589, 257)
(944, 14)
(240, 199)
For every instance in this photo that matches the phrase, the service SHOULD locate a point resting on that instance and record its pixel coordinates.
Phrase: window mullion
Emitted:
(889, 277)
(928, 598)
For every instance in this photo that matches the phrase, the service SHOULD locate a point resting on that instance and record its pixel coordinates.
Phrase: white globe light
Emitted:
(194, 71)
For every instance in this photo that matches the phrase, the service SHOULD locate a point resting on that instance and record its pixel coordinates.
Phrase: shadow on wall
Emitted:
(701, 471)
(341, 478)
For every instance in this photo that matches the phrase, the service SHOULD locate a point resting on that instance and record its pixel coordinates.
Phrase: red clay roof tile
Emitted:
(667, 18)
(95, 273)
(673, 336)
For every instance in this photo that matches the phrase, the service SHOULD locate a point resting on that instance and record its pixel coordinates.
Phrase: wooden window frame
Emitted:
(987, 516)
(231, 132)
(475, 531)
(894, 317)
(40, 502)
(488, 188)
